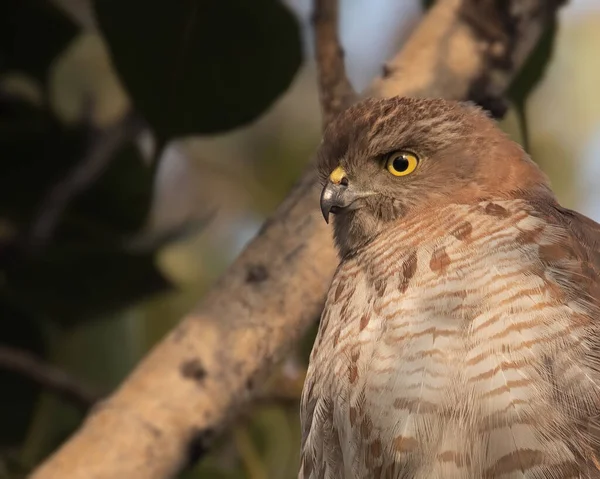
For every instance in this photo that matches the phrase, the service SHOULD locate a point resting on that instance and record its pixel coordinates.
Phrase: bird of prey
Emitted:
(461, 333)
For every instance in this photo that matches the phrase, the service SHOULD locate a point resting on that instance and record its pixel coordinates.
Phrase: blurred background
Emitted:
(115, 220)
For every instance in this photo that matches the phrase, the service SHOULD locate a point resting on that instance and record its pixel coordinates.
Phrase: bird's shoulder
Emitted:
(574, 250)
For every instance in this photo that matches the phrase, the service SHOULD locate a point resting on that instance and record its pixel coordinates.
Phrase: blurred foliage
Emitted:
(23, 23)
(189, 68)
(201, 67)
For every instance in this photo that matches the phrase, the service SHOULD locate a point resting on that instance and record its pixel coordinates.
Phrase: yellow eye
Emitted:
(401, 163)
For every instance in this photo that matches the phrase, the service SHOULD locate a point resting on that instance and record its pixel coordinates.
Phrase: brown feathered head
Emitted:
(385, 159)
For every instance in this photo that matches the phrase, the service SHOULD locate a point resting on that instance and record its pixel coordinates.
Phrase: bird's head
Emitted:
(385, 159)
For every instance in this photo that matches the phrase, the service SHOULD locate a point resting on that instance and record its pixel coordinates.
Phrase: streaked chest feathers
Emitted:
(453, 348)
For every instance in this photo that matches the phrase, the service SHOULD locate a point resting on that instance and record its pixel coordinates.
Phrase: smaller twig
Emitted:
(92, 165)
(48, 376)
(148, 241)
(335, 91)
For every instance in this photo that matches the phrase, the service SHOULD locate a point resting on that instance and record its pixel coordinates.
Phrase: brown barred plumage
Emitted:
(460, 334)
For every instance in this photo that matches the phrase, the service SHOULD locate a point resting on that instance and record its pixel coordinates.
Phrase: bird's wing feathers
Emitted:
(580, 246)
(586, 233)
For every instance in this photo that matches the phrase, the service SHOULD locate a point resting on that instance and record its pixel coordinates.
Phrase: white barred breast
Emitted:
(456, 348)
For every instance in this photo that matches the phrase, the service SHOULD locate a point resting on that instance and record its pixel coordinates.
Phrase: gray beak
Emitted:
(336, 196)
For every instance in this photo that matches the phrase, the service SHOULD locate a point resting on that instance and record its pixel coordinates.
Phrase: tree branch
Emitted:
(48, 377)
(335, 91)
(188, 389)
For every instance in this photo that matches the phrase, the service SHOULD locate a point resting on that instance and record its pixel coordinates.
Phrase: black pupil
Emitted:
(400, 164)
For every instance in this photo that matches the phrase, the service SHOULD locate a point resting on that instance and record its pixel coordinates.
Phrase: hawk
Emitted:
(460, 336)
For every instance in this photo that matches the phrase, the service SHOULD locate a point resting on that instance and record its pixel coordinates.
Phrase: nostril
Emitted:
(344, 181)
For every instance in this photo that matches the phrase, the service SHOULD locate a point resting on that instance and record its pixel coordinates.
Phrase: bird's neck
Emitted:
(354, 230)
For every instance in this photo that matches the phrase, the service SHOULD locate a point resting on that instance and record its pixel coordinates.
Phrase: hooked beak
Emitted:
(339, 194)
(335, 197)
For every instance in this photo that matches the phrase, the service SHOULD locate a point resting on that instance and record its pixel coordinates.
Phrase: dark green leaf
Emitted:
(535, 67)
(83, 272)
(529, 77)
(35, 152)
(201, 66)
(70, 283)
(120, 199)
(32, 34)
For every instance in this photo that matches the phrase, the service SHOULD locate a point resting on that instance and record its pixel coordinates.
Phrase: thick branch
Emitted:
(47, 376)
(200, 376)
(335, 90)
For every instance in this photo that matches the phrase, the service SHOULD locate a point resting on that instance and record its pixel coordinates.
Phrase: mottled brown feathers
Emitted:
(373, 127)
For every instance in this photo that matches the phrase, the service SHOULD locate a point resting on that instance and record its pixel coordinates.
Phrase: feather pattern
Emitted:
(460, 344)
